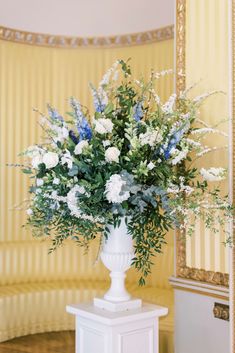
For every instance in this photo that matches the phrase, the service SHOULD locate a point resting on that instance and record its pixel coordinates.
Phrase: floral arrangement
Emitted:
(134, 158)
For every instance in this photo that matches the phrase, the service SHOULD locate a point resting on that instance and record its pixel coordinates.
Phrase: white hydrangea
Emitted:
(213, 174)
(67, 158)
(103, 126)
(151, 138)
(112, 155)
(114, 189)
(80, 146)
(50, 159)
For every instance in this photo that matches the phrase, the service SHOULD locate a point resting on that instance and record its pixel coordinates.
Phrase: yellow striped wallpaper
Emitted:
(207, 64)
(30, 77)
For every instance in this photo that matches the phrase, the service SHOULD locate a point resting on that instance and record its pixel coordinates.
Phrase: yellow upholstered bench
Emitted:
(35, 288)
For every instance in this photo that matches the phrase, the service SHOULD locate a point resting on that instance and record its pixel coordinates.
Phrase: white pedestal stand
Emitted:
(103, 331)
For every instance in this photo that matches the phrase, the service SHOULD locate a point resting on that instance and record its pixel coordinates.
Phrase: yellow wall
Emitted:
(30, 77)
(207, 60)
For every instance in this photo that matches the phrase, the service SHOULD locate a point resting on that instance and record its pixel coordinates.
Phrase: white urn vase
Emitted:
(117, 254)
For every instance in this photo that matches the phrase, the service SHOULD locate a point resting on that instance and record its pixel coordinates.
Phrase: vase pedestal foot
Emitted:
(115, 306)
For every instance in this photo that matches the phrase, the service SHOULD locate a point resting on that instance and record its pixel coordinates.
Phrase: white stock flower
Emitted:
(112, 154)
(67, 158)
(103, 126)
(114, 189)
(50, 159)
(79, 147)
(213, 174)
(151, 138)
(151, 165)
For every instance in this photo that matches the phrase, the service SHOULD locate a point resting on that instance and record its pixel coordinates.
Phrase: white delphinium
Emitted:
(112, 155)
(112, 71)
(103, 126)
(178, 155)
(168, 106)
(150, 137)
(67, 159)
(213, 174)
(114, 189)
(208, 130)
(50, 159)
(151, 165)
(80, 146)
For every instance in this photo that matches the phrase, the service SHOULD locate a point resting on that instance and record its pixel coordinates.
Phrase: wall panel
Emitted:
(207, 57)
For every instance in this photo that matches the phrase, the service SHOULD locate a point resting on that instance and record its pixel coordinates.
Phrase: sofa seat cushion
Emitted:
(40, 307)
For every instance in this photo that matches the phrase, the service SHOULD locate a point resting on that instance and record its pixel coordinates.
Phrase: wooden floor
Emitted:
(53, 342)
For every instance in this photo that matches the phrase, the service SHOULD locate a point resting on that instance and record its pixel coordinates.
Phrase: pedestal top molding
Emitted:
(89, 311)
(59, 41)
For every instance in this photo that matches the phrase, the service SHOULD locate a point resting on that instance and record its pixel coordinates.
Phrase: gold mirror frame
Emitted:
(182, 270)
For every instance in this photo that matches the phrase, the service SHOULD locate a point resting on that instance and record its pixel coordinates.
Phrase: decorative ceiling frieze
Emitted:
(59, 41)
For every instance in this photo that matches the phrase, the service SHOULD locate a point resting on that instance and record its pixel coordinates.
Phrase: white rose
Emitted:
(50, 159)
(103, 126)
(112, 154)
(36, 161)
(79, 147)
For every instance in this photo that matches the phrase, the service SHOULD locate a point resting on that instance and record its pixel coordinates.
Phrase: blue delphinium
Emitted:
(83, 127)
(138, 112)
(174, 140)
(73, 137)
(98, 100)
(54, 115)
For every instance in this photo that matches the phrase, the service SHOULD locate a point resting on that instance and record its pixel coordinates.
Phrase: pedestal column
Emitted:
(130, 331)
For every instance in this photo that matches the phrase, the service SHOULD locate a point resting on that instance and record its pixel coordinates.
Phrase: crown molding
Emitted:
(69, 42)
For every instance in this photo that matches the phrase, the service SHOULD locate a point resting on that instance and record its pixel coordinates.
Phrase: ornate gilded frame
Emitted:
(182, 270)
